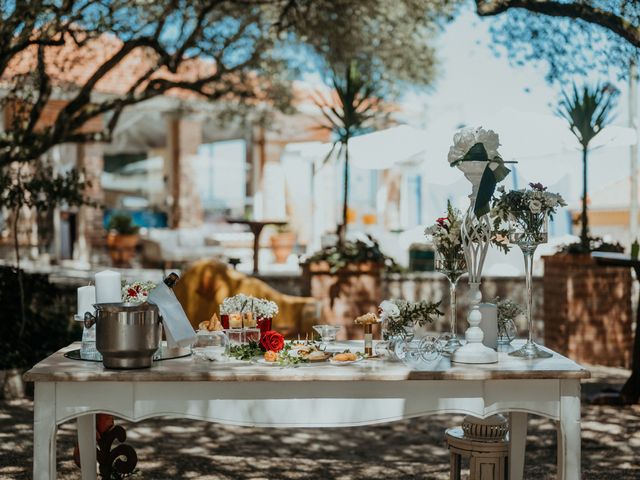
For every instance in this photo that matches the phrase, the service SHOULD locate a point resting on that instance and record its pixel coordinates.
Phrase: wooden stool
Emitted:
(488, 460)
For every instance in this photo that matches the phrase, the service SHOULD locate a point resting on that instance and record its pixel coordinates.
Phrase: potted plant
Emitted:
(346, 279)
(282, 243)
(122, 239)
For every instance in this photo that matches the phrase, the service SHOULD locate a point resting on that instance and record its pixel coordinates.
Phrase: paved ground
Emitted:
(176, 449)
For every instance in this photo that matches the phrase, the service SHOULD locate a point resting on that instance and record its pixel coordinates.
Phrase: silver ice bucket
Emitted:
(127, 334)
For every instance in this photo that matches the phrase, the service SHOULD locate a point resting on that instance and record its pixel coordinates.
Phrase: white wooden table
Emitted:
(366, 393)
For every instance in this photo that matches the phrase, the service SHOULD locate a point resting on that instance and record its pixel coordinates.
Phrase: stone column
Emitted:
(91, 232)
(184, 136)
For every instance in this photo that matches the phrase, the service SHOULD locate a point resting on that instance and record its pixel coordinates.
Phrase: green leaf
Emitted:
(500, 172)
(477, 153)
(485, 192)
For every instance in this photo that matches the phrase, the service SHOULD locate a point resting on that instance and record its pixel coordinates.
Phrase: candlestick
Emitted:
(108, 287)
(86, 299)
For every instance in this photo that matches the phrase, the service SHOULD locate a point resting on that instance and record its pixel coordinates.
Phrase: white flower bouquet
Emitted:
(525, 210)
(479, 145)
(241, 303)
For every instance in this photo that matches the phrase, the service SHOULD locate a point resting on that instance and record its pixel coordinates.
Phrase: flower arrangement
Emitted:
(136, 292)
(447, 236)
(469, 142)
(508, 310)
(241, 303)
(399, 315)
(479, 145)
(528, 208)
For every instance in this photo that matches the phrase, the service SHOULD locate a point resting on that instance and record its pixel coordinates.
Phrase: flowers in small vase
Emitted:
(136, 292)
(508, 311)
(528, 207)
(399, 316)
(241, 303)
(446, 234)
(479, 145)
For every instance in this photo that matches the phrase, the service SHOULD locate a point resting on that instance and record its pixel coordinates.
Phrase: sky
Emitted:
(474, 84)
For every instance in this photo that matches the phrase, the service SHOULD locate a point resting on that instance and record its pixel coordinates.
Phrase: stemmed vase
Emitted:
(527, 231)
(452, 265)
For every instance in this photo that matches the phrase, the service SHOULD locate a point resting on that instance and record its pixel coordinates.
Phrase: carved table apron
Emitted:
(365, 393)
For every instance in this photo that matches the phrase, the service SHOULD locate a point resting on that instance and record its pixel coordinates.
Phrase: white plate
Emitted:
(348, 362)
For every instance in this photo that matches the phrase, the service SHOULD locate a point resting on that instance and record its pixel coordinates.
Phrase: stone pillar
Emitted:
(587, 310)
(184, 136)
(90, 228)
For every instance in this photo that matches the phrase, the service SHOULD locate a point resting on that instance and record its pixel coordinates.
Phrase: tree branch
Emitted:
(576, 10)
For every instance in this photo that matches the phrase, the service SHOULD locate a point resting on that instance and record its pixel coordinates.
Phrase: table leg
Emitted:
(517, 444)
(87, 446)
(44, 431)
(569, 431)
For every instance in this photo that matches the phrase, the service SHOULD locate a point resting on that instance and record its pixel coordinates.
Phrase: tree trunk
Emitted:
(342, 234)
(584, 231)
(16, 246)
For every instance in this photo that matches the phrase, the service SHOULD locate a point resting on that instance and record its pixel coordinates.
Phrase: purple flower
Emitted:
(538, 186)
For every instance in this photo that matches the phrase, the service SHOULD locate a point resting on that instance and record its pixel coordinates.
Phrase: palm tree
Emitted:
(588, 111)
(350, 112)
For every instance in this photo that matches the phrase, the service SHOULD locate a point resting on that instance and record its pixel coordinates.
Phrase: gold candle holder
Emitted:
(367, 322)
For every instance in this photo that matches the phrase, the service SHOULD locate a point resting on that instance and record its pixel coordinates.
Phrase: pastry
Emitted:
(317, 356)
(367, 319)
(345, 357)
(270, 356)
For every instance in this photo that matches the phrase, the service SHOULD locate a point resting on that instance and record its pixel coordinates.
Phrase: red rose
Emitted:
(272, 340)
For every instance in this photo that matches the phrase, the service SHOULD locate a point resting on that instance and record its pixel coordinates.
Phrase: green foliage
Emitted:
(49, 312)
(122, 224)
(410, 314)
(559, 41)
(246, 351)
(349, 252)
(588, 110)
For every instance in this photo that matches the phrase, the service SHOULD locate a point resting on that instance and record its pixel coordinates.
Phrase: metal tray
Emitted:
(163, 353)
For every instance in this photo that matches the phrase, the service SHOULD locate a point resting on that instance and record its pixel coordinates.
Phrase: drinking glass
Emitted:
(211, 345)
(327, 333)
(527, 230)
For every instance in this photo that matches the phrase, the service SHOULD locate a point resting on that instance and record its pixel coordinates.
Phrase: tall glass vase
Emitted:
(452, 265)
(527, 231)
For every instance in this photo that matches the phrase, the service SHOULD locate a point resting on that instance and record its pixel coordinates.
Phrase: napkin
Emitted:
(176, 324)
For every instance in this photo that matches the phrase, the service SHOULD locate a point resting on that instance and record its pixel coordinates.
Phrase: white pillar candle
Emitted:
(108, 287)
(489, 324)
(86, 299)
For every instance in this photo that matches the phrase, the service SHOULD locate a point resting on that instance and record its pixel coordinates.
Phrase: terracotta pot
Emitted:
(122, 248)
(282, 245)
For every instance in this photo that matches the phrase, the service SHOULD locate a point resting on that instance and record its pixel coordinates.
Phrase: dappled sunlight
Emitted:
(412, 449)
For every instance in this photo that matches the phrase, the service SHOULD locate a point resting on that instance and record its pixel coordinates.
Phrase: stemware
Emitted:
(452, 265)
(327, 333)
(527, 231)
(211, 345)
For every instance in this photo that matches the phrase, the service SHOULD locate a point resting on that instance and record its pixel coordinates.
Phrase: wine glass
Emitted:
(451, 263)
(327, 334)
(527, 230)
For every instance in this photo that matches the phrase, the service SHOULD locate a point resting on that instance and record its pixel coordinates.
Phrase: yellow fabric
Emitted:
(207, 283)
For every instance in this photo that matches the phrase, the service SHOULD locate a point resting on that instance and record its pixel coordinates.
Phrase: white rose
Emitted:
(389, 309)
(535, 206)
(490, 140)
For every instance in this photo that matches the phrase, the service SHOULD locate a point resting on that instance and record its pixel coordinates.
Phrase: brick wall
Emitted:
(587, 310)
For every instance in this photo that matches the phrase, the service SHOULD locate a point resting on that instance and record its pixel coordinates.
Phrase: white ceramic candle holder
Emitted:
(476, 236)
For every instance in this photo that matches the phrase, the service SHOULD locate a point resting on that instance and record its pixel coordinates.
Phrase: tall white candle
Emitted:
(489, 324)
(108, 287)
(86, 299)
